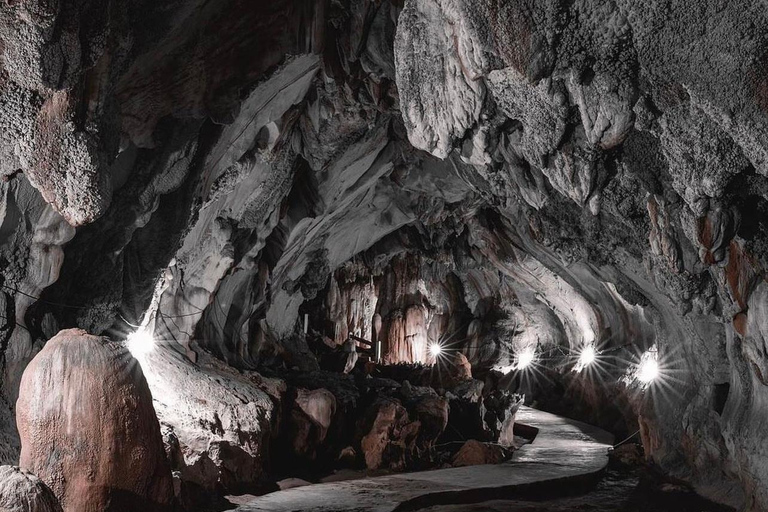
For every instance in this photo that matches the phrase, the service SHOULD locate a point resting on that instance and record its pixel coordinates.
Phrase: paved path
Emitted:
(563, 450)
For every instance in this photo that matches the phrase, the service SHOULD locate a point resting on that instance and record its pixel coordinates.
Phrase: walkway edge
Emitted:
(564, 451)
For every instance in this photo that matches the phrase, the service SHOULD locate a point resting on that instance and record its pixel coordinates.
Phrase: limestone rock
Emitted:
(310, 419)
(21, 491)
(88, 428)
(389, 436)
(216, 421)
(461, 369)
(473, 453)
(501, 408)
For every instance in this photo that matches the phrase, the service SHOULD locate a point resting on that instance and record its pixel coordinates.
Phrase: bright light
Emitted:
(648, 370)
(526, 358)
(587, 356)
(140, 343)
(435, 349)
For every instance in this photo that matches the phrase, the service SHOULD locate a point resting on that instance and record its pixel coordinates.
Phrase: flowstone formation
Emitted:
(498, 178)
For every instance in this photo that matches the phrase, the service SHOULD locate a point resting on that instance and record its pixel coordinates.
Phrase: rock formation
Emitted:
(88, 429)
(495, 177)
(473, 453)
(21, 491)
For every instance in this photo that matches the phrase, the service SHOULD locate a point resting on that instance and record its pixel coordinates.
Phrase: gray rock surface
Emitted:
(21, 491)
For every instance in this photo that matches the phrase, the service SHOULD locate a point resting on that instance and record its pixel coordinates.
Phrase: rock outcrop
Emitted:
(474, 453)
(88, 429)
(21, 491)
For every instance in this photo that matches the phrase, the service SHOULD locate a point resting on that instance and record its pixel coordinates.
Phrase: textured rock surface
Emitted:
(473, 453)
(21, 491)
(88, 429)
(216, 425)
(389, 435)
(494, 176)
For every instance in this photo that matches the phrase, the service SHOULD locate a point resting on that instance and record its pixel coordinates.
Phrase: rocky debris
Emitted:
(21, 491)
(488, 416)
(474, 453)
(466, 420)
(88, 428)
(389, 436)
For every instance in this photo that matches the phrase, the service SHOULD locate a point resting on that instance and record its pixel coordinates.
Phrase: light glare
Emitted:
(140, 343)
(435, 349)
(587, 356)
(649, 370)
(525, 358)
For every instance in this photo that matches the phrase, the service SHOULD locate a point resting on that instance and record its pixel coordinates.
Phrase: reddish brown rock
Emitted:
(740, 322)
(21, 491)
(311, 419)
(88, 428)
(461, 369)
(391, 436)
(474, 453)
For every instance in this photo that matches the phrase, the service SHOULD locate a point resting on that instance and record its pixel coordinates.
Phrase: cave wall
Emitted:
(587, 171)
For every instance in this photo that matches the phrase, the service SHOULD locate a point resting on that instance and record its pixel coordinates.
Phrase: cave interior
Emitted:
(273, 256)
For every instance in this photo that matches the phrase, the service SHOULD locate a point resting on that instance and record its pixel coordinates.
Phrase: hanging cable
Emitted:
(627, 439)
(3, 317)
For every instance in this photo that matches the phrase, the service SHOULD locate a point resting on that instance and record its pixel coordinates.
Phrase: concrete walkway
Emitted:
(563, 450)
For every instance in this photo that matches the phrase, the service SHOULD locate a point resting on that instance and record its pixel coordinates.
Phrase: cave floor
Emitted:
(564, 453)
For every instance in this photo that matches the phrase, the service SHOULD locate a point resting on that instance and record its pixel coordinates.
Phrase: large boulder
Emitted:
(461, 369)
(88, 428)
(21, 491)
(429, 408)
(467, 413)
(216, 421)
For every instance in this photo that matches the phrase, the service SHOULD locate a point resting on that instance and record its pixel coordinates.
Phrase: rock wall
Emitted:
(570, 172)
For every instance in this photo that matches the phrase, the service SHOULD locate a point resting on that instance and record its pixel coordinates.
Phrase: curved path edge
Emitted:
(564, 452)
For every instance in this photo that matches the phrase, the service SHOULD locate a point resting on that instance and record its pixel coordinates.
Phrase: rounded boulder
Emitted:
(88, 428)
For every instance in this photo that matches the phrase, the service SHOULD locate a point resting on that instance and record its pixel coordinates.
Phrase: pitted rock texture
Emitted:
(21, 491)
(88, 429)
(494, 176)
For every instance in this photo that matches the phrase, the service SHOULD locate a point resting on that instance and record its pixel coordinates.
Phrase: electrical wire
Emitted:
(44, 301)
(71, 306)
(627, 439)
(3, 317)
